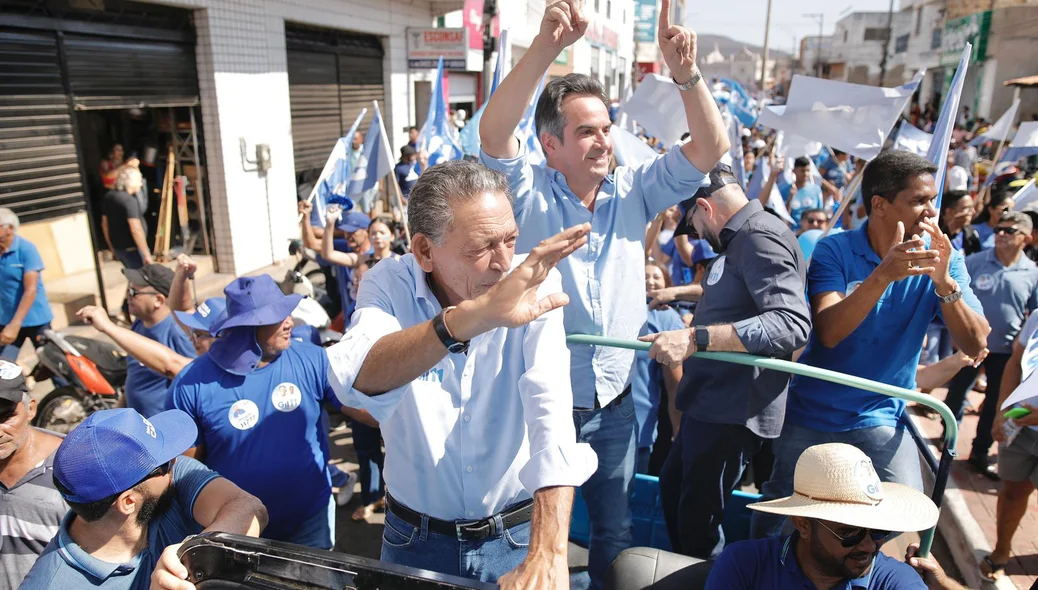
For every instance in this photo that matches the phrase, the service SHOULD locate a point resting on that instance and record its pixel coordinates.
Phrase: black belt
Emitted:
(464, 530)
(612, 404)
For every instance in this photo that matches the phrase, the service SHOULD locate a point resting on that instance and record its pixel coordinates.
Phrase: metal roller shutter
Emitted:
(106, 72)
(332, 76)
(39, 165)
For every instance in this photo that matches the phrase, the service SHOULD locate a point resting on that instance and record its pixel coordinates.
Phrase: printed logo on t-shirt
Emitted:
(243, 414)
(716, 270)
(286, 397)
(851, 287)
(984, 282)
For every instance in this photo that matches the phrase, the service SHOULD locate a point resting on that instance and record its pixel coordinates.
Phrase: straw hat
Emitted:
(837, 482)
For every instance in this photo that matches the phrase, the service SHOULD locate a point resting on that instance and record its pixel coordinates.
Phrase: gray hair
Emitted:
(430, 206)
(128, 176)
(8, 217)
(548, 117)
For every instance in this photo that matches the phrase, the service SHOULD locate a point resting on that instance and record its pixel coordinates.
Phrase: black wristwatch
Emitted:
(444, 334)
(701, 336)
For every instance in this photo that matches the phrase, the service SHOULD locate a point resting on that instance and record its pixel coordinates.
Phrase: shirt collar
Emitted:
(16, 244)
(422, 290)
(788, 560)
(1022, 263)
(74, 555)
(737, 221)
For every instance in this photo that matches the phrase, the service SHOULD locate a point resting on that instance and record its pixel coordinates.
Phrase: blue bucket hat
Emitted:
(206, 315)
(113, 450)
(255, 301)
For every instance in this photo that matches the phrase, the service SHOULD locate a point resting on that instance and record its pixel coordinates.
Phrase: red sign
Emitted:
(648, 67)
(472, 19)
(599, 34)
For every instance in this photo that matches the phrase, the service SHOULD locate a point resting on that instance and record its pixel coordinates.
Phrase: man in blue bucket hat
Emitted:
(133, 499)
(256, 397)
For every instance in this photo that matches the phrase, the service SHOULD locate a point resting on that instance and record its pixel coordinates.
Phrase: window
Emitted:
(609, 9)
(596, 5)
(901, 44)
(621, 81)
(935, 38)
(845, 36)
(596, 61)
(918, 20)
(875, 34)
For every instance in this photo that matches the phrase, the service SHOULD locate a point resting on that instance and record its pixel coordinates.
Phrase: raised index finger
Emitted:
(664, 21)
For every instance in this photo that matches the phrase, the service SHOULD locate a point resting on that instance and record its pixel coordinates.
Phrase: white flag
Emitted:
(656, 106)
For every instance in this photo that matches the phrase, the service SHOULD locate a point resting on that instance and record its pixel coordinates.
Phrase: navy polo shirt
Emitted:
(885, 347)
(64, 564)
(1008, 294)
(765, 564)
(263, 430)
(147, 390)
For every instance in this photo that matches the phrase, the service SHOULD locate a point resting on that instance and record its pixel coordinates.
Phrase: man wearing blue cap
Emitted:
(146, 390)
(257, 397)
(133, 499)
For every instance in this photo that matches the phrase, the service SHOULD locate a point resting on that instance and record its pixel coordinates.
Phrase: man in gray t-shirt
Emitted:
(1005, 281)
(30, 506)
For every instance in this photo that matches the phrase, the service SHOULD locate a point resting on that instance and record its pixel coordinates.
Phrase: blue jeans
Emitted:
(703, 467)
(367, 441)
(610, 432)
(641, 461)
(486, 560)
(892, 450)
(318, 531)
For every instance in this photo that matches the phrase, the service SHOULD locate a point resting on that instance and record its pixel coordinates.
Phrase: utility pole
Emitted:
(818, 50)
(886, 44)
(764, 64)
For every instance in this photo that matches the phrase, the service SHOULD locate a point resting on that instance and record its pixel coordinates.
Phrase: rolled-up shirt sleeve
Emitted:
(556, 459)
(774, 281)
(518, 170)
(665, 181)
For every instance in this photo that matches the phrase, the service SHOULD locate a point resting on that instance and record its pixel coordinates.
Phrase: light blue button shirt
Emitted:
(478, 431)
(604, 279)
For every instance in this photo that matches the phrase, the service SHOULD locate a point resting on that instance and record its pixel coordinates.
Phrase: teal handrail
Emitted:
(951, 425)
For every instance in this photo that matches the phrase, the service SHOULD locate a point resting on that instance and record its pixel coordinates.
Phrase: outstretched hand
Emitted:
(678, 45)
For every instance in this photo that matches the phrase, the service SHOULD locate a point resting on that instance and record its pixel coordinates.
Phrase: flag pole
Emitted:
(328, 165)
(392, 175)
(846, 202)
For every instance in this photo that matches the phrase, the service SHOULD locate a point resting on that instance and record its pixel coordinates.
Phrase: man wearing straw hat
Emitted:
(843, 514)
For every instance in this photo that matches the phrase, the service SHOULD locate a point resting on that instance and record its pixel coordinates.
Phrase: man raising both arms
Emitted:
(576, 188)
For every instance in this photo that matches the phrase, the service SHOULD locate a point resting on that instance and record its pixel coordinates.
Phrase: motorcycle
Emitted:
(88, 375)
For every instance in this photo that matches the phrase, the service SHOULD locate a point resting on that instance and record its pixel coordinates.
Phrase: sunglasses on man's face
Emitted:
(1011, 231)
(135, 292)
(855, 537)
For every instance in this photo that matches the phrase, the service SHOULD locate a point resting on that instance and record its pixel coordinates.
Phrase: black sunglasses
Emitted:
(135, 292)
(1007, 230)
(856, 537)
(159, 471)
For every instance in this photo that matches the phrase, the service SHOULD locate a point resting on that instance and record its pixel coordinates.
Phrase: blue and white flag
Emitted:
(335, 176)
(852, 118)
(942, 130)
(756, 185)
(1025, 196)
(439, 137)
(740, 103)
(1024, 144)
(469, 135)
(375, 162)
(735, 149)
(912, 139)
(629, 149)
(999, 131)
(527, 130)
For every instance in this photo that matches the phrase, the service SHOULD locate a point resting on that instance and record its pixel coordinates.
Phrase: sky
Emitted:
(746, 22)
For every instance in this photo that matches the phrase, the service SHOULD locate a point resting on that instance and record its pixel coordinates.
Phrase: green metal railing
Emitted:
(951, 426)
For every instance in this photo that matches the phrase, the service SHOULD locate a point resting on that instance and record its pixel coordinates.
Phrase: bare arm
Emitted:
(545, 565)
(684, 248)
(662, 297)
(359, 415)
(935, 375)
(139, 238)
(671, 379)
(223, 506)
(149, 353)
(652, 245)
(104, 230)
(775, 170)
(328, 251)
(179, 295)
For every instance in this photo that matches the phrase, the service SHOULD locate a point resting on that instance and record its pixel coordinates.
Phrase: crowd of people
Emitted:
(474, 420)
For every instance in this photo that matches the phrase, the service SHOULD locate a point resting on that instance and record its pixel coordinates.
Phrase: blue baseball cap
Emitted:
(206, 315)
(113, 450)
(351, 221)
(255, 301)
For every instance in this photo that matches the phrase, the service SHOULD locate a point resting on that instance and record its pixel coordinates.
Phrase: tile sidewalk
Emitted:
(979, 495)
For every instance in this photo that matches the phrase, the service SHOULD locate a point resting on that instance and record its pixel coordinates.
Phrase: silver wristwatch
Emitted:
(951, 297)
(688, 85)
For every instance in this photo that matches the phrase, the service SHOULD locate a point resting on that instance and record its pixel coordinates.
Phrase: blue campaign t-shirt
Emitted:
(807, 197)
(64, 564)
(406, 176)
(263, 431)
(20, 258)
(834, 174)
(680, 272)
(648, 377)
(885, 347)
(147, 390)
(771, 564)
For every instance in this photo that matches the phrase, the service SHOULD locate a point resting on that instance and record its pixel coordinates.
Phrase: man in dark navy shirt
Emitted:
(837, 539)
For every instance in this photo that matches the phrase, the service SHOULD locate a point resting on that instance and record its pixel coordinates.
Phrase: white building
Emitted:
(916, 45)
(857, 47)
(743, 66)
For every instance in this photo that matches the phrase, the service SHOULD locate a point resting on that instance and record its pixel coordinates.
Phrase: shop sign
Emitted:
(425, 46)
(968, 29)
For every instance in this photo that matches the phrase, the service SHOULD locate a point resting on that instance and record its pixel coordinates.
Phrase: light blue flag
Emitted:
(439, 136)
(527, 130)
(740, 103)
(912, 139)
(1024, 144)
(332, 183)
(469, 135)
(942, 130)
(374, 160)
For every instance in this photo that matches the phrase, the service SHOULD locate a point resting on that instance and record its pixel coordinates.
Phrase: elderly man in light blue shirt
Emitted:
(576, 187)
(458, 350)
